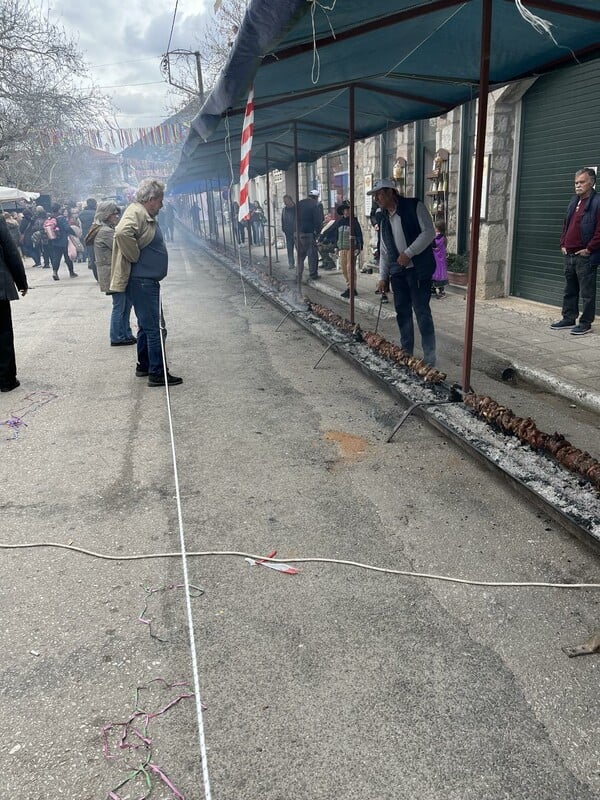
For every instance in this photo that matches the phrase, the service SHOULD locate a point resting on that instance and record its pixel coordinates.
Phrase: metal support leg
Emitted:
(409, 411)
(329, 347)
(289, 314)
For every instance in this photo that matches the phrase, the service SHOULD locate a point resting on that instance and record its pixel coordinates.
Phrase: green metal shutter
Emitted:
(560, 133)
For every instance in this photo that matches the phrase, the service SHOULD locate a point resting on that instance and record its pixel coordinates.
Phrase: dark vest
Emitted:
(588, 221)
(406, 208)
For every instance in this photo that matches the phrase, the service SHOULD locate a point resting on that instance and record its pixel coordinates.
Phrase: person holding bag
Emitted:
(58, 241)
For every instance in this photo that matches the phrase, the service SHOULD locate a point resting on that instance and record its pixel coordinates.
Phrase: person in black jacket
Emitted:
(12, 277)
(59, 246)
(86, 220)
(310, 221)
(288, 226)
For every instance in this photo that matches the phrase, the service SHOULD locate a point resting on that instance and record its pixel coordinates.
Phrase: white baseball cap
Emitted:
(314, 193)
(384, 183)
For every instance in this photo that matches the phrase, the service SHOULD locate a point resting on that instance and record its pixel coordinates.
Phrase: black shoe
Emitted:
(46, 266)
(10, 386)
(159, 379)
(55, 276)
(123, 342)
(73, 275)
(345, 293)
(561, 323)
(140, 373)
(581, 329)
(315, 277)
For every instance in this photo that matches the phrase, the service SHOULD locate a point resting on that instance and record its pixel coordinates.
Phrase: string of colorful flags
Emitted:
(167, 133)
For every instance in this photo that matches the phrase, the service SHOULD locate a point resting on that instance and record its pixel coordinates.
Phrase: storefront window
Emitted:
(337, 179)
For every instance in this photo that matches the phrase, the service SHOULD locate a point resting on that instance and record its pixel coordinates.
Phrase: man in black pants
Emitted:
(580, 245)
(406, 261)
(310, 221)
(12, 277)
(59, 245)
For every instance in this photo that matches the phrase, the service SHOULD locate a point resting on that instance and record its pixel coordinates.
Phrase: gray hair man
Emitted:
(580, 245)
(406, 261)
(140, 261)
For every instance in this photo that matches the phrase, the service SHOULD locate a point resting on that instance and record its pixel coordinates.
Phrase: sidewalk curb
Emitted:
(536, 377)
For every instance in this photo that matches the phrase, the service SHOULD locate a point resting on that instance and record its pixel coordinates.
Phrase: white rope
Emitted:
(186, 581)
(542, 26)
(537, 23)
(316, 65)
(305, 560)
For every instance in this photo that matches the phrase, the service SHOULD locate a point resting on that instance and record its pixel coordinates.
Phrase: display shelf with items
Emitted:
(399, 174)
(437, 196)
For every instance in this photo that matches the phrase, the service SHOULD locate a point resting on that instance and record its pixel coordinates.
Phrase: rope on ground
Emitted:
(186, 580)
(305, 560)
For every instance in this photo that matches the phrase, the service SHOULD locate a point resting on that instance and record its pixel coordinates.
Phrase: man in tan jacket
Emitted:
(139, 262)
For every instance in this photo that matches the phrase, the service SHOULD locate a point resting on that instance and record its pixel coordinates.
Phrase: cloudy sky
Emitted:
(123, 41)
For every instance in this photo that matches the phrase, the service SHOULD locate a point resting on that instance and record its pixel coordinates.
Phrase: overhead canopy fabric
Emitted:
(404, 59)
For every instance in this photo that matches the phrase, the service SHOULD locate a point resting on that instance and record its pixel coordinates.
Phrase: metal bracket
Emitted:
(411, 408)
(331, 346)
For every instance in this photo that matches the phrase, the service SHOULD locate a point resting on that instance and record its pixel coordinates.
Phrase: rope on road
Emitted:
(306, 560)
(186, 582)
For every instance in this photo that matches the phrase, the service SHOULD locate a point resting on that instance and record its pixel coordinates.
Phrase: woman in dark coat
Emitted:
(12, 277)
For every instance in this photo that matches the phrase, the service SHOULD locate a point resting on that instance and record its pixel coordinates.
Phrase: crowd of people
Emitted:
(126, 252)
(129, 258)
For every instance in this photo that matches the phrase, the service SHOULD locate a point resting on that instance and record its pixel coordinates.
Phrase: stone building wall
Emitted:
(494, 247)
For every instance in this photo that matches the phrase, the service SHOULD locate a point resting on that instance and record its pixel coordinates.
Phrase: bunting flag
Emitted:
(247, 132)
(165, 134)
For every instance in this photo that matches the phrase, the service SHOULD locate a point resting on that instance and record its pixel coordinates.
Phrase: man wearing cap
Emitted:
(407, 262)
(310, 221)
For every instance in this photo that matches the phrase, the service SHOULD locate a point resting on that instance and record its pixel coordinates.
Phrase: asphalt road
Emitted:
(337, 682)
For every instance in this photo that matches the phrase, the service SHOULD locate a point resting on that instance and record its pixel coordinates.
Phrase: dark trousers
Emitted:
(8, 364)
(580, 282)
(46, 255)
(413, 294)
(144, 296)
(56, 254)
(307, 246)
(289, 243)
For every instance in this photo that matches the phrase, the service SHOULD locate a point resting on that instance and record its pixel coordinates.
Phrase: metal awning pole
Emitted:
(199, 196)
(298, 261)
(222, 214)
(352, 251)
(268, 208)
(484, 77)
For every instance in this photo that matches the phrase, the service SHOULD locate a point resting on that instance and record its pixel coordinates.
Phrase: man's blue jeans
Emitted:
(144, 296)
(120, 329)
(413, 294)
(580, 283)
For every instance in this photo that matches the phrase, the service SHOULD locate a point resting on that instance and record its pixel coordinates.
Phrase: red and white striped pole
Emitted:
(247, 131)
